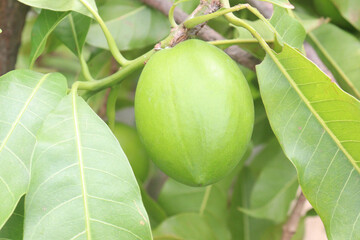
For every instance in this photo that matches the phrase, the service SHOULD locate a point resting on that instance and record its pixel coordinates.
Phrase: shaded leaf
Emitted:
(184, 226)
(339, 51)
(318, 126)
(44, 25)
(63, 5)
(72, 31)
(81, 184)
(26, 98)
(132, 24)
(350, 10)
(275, 187)
(13, 229)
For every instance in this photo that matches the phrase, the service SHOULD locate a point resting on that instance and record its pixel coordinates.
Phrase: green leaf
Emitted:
(275, 187)
(262, 130)
(211, 202)
(290, 30)
(13, 229)
(63, 5)
(81, 182)
(184, 226)
(280, 3)
(44, 25)
(26, 98)
(350, 10)
(318, 126)
(72, 31)
(132, 24)
(336, 49)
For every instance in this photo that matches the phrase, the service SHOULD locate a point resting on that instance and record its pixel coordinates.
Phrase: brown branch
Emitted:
(290, 227)
(12, 20)
(206, 33)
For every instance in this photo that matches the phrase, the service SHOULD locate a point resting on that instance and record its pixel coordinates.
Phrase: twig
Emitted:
(290, 227)
(206, 33)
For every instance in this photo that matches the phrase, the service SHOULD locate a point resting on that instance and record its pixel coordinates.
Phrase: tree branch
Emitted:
(206, 33)
(12, 20)
(290, 227)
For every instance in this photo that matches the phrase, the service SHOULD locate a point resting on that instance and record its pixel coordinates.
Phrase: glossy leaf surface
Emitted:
(82, 186)
(318, 126)
(26, 98)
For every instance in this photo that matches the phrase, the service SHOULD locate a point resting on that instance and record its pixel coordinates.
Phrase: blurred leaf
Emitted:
(262, 130)
(153, 209)
(81, 182)
(132, 24)
(26, 98)
(63, 5)
(275, 187)
(318, 126)
(44, 25)
(184, 226)
(72, 31)
(13, 229)
(340, 51)
(280, 3)
(210, 202)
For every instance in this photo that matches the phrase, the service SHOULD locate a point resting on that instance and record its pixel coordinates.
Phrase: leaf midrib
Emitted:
(310, 107)
(81, 166)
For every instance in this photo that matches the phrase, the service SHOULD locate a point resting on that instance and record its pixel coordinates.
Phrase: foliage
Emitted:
(64, 175)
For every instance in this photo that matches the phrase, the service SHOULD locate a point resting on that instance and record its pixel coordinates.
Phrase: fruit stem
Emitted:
(171, 16)
(109, 38)
(116, 78)
(235, 41)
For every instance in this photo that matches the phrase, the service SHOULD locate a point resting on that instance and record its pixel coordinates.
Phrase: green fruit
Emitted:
(194, 112)
(327, 8)
(134, 150)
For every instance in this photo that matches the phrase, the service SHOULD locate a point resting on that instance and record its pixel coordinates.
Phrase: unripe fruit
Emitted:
(133, 149)
(194, 112)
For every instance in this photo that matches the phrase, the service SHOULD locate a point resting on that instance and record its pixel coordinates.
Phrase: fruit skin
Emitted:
(133, 149)
(327, 8)
(194, 112)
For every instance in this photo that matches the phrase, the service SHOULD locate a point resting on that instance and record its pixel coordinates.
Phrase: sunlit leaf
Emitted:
(318, 126)
(82, 185)
(26, 98)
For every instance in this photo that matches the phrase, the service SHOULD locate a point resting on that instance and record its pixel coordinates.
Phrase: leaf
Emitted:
(81, 182)
(63, 5)
(262, 130)
(350, 10)
(132, 24)
(290, 30)
(13, 229)
(318, 126)
(44, 25)
(184, 226)
(280, 3)
(154, 210)
(209, 201)
(275, 187)
(26, 98)
(337, 49)
(72, 31)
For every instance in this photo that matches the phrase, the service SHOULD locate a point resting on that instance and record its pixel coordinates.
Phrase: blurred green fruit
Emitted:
(194, 112)
(134, 149)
